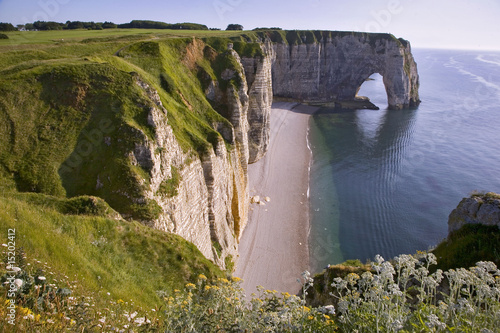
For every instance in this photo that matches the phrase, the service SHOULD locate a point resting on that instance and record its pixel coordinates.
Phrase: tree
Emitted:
(109, 25)
(7, 27)
(74, 25)
(234, 27)
(42, 25)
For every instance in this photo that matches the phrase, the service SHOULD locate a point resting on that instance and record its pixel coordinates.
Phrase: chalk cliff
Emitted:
(258, 71)
(210, 205)
(328, 66)
(477, 209)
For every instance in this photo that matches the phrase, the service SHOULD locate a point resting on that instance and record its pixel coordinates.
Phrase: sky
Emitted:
(459, 24)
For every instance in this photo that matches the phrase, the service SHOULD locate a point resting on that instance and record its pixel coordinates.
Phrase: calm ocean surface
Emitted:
(384, 182)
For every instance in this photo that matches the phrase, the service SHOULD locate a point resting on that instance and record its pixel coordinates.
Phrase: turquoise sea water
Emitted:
(384, 182)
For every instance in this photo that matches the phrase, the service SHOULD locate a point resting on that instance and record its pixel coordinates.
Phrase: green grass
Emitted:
(127, 259)
(56, 145)
(468, 245)
(169, 186)
(60, 37)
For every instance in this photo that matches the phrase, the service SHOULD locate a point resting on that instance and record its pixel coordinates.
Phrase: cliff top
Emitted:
(57, 37)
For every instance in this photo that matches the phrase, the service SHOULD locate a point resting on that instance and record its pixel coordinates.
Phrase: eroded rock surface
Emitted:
(477, 209)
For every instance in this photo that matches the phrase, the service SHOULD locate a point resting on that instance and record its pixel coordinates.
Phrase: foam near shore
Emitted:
(274, 245)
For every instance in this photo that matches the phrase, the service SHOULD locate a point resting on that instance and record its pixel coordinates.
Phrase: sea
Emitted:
(384, 181)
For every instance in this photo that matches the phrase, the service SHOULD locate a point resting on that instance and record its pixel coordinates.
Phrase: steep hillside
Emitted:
(84, 240)
(129, 124)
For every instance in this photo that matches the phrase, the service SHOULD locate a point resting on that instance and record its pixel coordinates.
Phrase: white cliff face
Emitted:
(202, 209)
(258, 71)
(335, 68)
(235, 99)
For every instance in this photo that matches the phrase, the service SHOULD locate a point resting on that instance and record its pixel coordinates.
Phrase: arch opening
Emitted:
(373, 91)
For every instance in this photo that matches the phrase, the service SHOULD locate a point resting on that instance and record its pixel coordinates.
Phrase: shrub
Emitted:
(4, 36)
(148, 211)
(400, 295)
(86, 205)
(403, 295)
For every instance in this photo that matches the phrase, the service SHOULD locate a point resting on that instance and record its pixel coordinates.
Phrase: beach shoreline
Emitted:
(274, 248)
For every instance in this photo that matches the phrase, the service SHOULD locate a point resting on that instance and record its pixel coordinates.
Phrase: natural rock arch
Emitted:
(362, 95)
(333, 68)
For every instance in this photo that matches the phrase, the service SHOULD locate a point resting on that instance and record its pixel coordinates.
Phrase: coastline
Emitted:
(274, 247)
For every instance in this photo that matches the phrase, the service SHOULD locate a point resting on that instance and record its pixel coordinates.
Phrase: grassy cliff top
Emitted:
(57, 37)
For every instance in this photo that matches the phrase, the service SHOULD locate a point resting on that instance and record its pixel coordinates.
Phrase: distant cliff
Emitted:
(326, 66)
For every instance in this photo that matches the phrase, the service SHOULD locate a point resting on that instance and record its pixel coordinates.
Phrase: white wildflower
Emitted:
(330, 309)
(18, 283)
(435, 322)
(343, 306)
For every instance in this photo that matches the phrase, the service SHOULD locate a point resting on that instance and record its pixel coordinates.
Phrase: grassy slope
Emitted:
(468, 245)
(77, 92)
(127, 259)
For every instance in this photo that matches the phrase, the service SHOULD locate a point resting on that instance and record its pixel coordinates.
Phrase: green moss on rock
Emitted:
(169, 186)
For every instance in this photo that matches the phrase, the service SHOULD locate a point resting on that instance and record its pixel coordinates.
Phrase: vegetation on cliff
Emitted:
(397, 296)
(71, 111)
(84, 239)
(468, 245)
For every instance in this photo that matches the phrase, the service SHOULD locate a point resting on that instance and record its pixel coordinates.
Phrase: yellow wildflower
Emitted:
(190, 286)
(202, 277)
(223, 280)
(310, 317)
(207, 288)
(235, 279)
(120, 301)
(306, 309)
